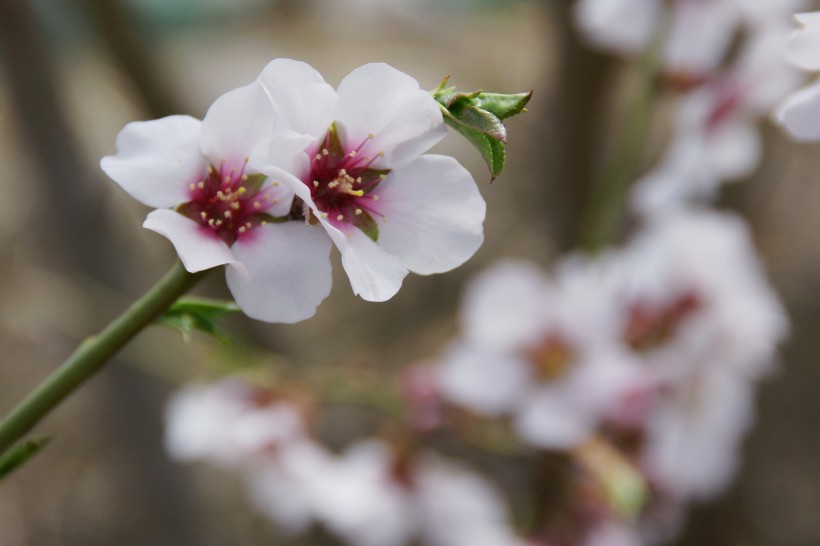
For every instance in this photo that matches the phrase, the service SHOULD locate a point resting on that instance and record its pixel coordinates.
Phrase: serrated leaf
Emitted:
(19, 454)
(491, 150)
(501, 105)
(191, 313)
(479, 120)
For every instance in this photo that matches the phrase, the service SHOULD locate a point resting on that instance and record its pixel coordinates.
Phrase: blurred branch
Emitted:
(71, 200)
(606, 205)
(115, 24)
(574, 128)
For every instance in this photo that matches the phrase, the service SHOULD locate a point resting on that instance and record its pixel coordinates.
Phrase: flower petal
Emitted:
(301, 98)
(197, 247)
(374, 274)
(235, 123)
(157, 160)
(803, 48)
(517, 291)
(434, 215)
(551, 419)
(377, 99)
(800, 113)
(286, 272)
(483, 380)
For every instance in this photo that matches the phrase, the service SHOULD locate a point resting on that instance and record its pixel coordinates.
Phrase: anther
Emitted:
(315, 183)
(256, 204)
(192, 186)
(324, 215)
(325, 151)
(235, 205)
(358, 212)
(242, 229)
(201, 185)
(375, 198)
(340, 217)
(203, 215)
(227, 214)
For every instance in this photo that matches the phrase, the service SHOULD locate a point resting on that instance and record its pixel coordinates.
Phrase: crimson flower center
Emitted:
(342, 181)
(228, 202)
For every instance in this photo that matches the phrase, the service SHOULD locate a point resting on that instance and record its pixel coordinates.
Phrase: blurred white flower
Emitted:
(542, 352)
(696, 296)
(228, 423)
(693, 437)
(353, 157)
(216, 209)
(715, 136)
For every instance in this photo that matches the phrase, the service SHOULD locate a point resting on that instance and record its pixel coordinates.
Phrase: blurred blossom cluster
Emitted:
(635, 368)
(723, 62)
(654, 349)
(638, 366)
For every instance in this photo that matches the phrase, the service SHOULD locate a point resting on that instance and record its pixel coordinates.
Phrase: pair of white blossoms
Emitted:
(280, 168)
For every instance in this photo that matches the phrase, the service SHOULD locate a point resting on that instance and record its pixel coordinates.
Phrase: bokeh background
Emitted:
(72, 253)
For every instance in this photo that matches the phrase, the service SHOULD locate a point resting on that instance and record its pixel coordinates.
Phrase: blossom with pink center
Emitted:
(544, 352)
(694, 36)
(353, 158)
(799, 113)
(715, 138)
(217, 210)
(696, 296)
(228, 423)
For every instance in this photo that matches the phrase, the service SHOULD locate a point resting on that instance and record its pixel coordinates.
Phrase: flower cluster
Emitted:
(371, 495)
(654, 349)
(281, 169)
(722, 59)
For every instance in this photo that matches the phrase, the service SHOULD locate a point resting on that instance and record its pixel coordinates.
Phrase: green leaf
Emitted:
(478, 117)
(491, 150)
(478, 120)
(500, 105)
(191, 313)
(19, 454)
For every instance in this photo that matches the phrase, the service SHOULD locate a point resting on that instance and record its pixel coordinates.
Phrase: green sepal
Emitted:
(254, 182)
(19, 454)
(191, 313)
(333, 144)
(365, 222)
(478, 117)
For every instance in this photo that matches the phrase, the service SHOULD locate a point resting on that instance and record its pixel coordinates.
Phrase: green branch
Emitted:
(93, 353)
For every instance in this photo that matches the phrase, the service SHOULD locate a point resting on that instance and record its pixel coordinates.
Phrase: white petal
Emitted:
(552, 420)
(699, 36)
(374, 274)
(434, 215)
(287, 272)
(504, 307)
(377, 99)
(301, 99)
(803, 48)
(624, 26)
(284, 151)
(198, 248)
(235, 123)
(157, 160)
(800, 113)
(734, 149)
(486, 381)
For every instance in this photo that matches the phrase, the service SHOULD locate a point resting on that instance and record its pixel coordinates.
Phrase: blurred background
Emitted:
(72, 253)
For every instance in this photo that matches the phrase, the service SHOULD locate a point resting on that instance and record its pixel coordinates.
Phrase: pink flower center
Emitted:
(229, 203)
(551, 358)
(650, 326)
(342, 183)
